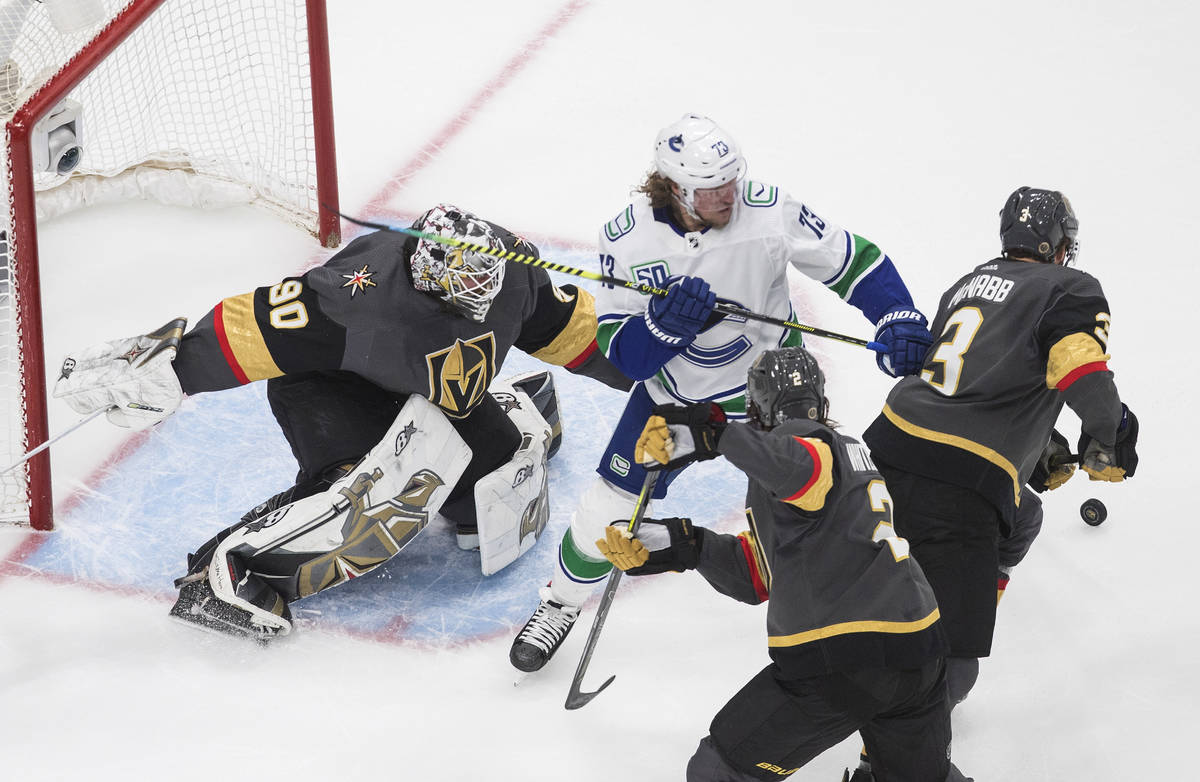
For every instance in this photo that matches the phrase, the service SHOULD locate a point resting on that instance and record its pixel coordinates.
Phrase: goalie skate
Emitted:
(199, 606)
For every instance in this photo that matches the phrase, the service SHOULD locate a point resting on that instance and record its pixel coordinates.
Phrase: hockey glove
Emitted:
(1055, 466)
(132, 377)
(676, 319)
(904, 331)
(1116, 463)
(661, 545)
(676, 436)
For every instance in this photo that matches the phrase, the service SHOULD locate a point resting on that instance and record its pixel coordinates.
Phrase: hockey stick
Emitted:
(52, 440)
(650, 290)
(577, 698)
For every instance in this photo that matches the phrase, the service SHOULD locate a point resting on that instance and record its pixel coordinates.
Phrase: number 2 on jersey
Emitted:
(966, 323)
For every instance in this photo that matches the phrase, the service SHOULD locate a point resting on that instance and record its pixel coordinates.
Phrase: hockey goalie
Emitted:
(381, 368)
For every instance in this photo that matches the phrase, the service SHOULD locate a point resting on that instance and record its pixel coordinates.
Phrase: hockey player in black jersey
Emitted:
(379, 365)
(853, 628)
(1017, 337)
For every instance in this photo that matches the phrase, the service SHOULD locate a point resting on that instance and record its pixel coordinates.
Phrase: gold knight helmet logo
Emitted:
(459, 376)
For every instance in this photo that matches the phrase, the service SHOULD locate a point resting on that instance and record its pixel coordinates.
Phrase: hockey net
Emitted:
(190, 102)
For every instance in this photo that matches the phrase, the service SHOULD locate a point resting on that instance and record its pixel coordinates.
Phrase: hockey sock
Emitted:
(576, 574)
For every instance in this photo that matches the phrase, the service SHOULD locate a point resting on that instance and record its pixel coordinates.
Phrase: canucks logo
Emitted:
(459, 376)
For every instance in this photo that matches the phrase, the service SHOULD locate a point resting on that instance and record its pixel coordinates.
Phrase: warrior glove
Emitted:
(1111, 463)
(132, 378)
(676, 319)
(1054, 467)
(676, 436)
(904, 331)
(661, 545)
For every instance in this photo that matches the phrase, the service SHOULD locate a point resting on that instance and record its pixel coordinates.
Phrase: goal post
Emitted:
(193, 102)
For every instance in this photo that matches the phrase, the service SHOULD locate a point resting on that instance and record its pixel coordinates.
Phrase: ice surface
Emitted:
(907, 123)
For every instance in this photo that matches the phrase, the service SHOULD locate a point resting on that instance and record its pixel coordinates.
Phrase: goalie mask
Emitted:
(785, 384)
(696, 154)
(1036, 223)
(465, 279)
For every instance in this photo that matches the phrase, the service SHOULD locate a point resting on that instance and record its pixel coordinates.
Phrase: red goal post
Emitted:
(193, 102)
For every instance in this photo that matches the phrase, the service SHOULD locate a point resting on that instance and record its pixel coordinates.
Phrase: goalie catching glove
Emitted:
(675, 435)
(661, 545)
(131, 378)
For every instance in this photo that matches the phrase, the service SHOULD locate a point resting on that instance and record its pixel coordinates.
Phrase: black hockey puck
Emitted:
(1093, 512)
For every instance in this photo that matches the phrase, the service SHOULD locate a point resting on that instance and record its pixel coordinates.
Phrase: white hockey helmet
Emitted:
(465, 279)
(695, 153)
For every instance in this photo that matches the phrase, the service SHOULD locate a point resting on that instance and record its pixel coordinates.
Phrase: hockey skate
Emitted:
(199, 606)
(541, 636)
(859, 775)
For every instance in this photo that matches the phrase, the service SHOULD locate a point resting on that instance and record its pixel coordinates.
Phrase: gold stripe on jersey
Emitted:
(812, 496)
(762, 572)
(955, 441)
(576, 335)
(1070, 353)
(842, 628)
(760, 556)
(245, 339)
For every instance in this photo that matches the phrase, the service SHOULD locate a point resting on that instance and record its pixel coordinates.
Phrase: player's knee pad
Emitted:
(961, 673)
(352, 527)
(512, 502)
(1023, 531)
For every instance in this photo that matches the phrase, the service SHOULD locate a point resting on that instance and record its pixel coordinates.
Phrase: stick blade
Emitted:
(577, 699)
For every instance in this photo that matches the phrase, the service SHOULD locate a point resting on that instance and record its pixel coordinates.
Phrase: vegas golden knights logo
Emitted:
(459, 376)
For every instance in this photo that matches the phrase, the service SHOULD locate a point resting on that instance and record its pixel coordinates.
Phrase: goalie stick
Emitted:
(53, 440)
(577, 698)
(531, 260)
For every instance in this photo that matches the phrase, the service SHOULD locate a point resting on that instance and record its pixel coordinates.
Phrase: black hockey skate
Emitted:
(541, 636)
(859, 775)
(199, 606)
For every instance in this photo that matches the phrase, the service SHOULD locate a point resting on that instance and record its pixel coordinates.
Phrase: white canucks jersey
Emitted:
(746, 263)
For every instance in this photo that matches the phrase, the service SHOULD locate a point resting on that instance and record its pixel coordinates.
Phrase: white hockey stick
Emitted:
(53, 440)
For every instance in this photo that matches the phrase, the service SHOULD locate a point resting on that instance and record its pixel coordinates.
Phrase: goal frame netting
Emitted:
(22, 242)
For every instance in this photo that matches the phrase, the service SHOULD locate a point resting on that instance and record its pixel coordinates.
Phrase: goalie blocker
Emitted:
(323, 532)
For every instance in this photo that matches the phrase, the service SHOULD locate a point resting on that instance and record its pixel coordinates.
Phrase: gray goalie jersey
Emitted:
(360, 313)
(1014, 341)
(844, 594)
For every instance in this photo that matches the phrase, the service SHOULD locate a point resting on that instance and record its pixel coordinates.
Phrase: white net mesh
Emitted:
(207, 102)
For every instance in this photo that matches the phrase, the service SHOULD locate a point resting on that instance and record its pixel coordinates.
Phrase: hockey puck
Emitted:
(1093, 512)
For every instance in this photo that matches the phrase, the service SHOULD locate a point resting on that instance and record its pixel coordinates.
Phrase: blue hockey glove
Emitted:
(676, 319)
(904, 331)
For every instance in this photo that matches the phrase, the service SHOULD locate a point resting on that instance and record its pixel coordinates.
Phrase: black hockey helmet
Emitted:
(785, 384)
(1036, 223)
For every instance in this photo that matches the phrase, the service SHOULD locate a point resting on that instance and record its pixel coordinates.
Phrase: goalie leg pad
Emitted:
(355, 525)
(539, 387)
(511, 502)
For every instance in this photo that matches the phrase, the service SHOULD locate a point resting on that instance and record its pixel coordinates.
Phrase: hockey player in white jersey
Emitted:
(699, 220)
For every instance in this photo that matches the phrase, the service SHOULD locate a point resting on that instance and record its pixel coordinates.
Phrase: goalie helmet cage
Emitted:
(189, 102)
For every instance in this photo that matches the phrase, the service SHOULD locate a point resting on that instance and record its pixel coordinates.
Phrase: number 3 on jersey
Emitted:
(949, 354)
